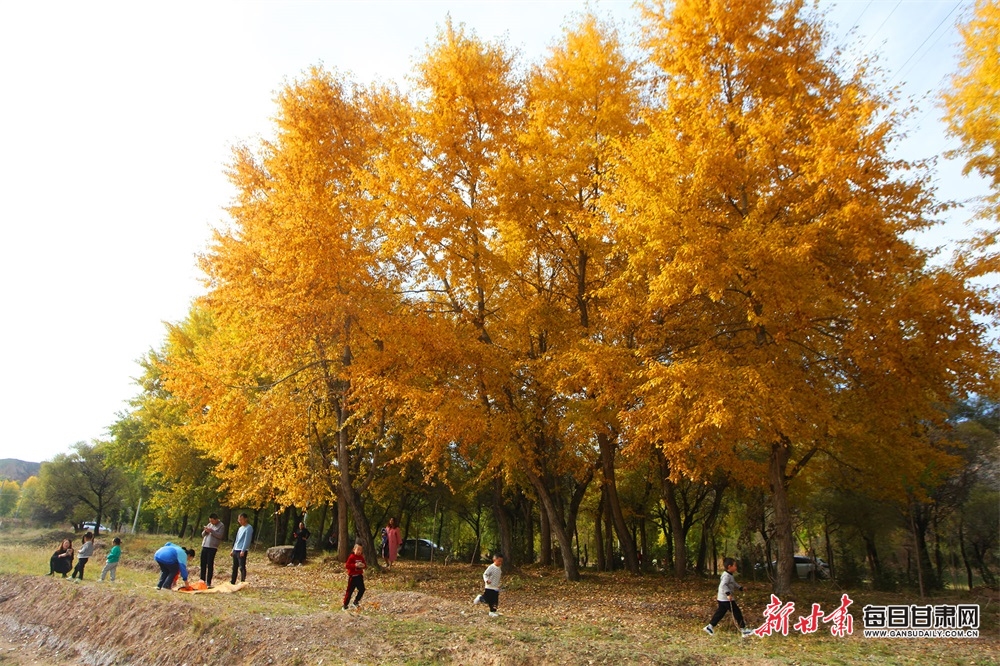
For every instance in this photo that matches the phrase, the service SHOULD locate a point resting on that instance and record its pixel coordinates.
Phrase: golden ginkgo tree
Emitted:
(972, 107)
(299, 300)
(558, 245)
(787, 315)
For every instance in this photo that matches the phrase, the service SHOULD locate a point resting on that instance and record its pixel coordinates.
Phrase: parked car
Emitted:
(91, 525)
(421, 549)
(804, 566)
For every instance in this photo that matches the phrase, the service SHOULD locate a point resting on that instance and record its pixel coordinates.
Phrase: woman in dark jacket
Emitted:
(301, 536)
(62, 560)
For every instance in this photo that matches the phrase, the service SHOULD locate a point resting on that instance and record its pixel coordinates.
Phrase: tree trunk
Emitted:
(644, 559)
(574, 509)
(545, 538)
(677, 531)
(609, 533)
(343, 517)
(965, 557)
(183, 529)
(608, 448)
(676, 528)
(319, 530)
(925, 571)
(572, 573)
(502, 517)
(226, 516)
(709, 525)
(829, 547)
(871, 553)
(780, 453)
(938, 558)
(989, 580)
(602, 564)
(256, 525)
(350, 496)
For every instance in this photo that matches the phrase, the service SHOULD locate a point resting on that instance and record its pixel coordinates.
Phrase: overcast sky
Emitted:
(117, 119)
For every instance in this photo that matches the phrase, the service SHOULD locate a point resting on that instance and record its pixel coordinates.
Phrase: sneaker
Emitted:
(344, 609)
(709, 630)
(356, 606)
(478, 599)
(746, 632)
(494, 614)
(290, 564)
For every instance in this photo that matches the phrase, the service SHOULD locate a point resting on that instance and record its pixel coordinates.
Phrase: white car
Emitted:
(91, 525)
(804, 566)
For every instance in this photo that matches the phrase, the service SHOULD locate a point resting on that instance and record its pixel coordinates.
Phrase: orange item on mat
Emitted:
(194, 587)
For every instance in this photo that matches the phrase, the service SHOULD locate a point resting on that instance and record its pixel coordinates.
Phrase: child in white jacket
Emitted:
(491, 578)
(727, 585)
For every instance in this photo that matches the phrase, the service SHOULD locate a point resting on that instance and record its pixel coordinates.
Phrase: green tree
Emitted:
(83, 483)
(153, 440)
(10, 493)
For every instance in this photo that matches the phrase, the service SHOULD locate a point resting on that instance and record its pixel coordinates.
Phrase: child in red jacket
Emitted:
(355, 576)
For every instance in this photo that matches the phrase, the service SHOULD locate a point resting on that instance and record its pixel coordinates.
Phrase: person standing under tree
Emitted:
(212, 536)
(244, 537)
(391, 540)
(301, 536)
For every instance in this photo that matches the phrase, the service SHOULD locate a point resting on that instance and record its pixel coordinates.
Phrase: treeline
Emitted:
(620, 305)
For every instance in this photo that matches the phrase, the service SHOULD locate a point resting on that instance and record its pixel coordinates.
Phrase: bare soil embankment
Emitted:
(421, 614)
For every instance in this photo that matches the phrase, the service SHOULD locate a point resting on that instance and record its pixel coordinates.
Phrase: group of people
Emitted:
(212, 536)
(61, 561)
(173, 559)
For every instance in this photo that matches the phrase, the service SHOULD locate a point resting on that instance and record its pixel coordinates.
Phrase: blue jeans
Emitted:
(240, 565)
(168, 572)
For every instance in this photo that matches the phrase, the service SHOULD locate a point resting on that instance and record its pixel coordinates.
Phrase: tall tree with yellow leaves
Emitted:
(438, 193)
(558, 245)
(973, 115)
(784, 314)
(299, 300)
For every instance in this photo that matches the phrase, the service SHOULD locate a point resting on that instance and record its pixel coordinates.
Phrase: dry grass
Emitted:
(420, 614)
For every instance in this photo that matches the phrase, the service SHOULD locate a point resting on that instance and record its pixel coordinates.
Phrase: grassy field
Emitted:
(422, 614)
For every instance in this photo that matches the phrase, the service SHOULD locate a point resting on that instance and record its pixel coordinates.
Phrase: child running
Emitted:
(111, 565)
(355, 576)
(491, 578)
(727, 585)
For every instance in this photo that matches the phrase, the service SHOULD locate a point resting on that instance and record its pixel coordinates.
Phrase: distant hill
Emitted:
(18, 470)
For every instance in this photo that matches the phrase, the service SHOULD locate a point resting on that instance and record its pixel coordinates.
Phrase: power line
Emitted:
(882, 25)
(900, 71)
(857, 21)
